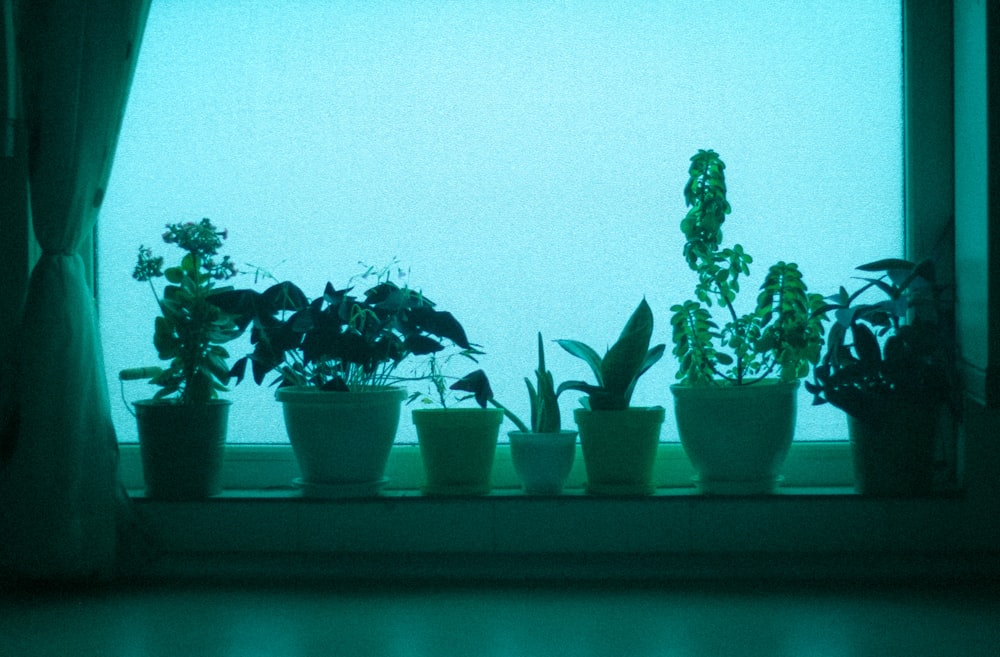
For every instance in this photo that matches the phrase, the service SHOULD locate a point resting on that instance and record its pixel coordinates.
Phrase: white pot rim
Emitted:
(548, 438)
(311, 395)
(632, 410)
(767, 387)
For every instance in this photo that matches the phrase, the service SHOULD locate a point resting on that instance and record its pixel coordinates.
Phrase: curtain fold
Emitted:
(59, 491)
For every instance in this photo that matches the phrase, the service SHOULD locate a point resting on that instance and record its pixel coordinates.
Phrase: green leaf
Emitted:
(865, 344)
(887, 264)
(580, 386)
(478, 384)
(585, 353)
(621, 365)
(174, 275)
(164, 339)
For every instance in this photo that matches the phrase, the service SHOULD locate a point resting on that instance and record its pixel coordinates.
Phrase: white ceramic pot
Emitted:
(542, 461)
(341, 440)
(737, 437)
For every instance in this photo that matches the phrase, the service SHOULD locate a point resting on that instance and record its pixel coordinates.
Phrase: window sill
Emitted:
(676, 533)
(806, 530)
(261, 467)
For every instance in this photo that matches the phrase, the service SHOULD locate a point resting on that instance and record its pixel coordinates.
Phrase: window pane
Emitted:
(525, 160)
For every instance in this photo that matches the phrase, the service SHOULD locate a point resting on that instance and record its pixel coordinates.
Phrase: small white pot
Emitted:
(542, 461)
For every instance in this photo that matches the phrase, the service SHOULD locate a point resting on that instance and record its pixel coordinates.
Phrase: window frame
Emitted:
(806, 532)
(253, 466)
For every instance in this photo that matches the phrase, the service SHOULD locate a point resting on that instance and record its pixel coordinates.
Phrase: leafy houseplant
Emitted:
(618, 441)
(621, 366)
(182, 429)
(337, 358)
(458, 445)
(888, 367)
(743, 375)
(341, 342)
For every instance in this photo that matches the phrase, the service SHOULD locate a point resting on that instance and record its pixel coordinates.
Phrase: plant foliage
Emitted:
(341, 341)
(192, 326)
(617, 372)
(780, 337)
(543, 398)
(893, 348)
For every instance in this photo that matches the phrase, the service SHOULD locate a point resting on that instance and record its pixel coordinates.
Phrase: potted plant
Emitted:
(336, 357)
(888, 367)
(542, 452)
(736, 401)
(182, 429)
(458, 445)
(619, 442)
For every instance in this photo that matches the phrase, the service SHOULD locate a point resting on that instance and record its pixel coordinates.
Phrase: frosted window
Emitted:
(524, 159)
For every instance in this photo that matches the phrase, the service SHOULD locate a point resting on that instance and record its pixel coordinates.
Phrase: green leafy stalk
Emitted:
(191, 326)
(783, 334)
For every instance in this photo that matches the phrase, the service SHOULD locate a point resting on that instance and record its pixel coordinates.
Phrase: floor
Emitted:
(515, 621)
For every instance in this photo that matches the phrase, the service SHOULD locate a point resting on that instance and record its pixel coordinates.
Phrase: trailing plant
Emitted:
(340, 341)
(617, 372)
(783, 334)
(892, 348)
(191, 326)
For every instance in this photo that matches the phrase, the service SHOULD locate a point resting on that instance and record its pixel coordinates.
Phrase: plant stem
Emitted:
(521, 426)
(739, 358)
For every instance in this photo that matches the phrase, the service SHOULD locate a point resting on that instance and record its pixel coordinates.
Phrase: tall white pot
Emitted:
(737, 437)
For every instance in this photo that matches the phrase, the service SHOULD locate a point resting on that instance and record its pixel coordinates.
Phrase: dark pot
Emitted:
(894, 450)
(182, 447)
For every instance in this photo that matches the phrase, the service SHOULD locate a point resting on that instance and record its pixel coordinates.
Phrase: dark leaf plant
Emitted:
(191, 326)
(891, 349)
(341, 341)
(617, 372)
(783, 334)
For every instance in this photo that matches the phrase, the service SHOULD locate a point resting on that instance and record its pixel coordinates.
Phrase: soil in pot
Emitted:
(182, 447)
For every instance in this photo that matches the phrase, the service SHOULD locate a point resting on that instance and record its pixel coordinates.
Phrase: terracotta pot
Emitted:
(894, 450)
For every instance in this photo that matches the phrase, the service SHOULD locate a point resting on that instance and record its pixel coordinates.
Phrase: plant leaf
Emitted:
(622, 363)
(865, 344)
(478, 384)
(586, 354)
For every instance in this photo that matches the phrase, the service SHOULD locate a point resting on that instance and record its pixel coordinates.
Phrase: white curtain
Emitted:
(59, 491)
